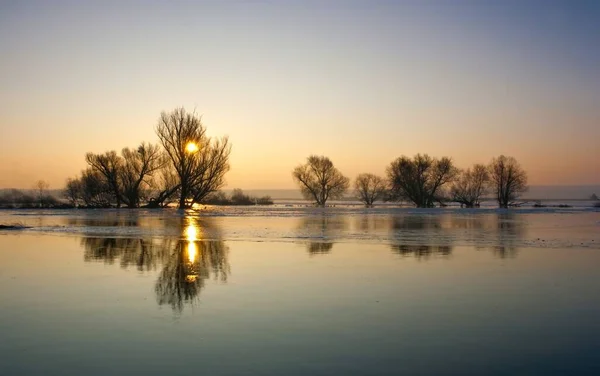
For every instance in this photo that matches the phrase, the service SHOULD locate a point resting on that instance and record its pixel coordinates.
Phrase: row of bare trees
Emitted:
(422, 180)
(184, 167)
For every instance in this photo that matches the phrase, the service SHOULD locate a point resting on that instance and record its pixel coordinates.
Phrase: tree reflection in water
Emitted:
(316, 248)
(510, 232)
(420, 236)
(108, 219)
(191, 262)
(186, 261)
(424, 236)
(144, 254)
(422, 252)
(319, 230)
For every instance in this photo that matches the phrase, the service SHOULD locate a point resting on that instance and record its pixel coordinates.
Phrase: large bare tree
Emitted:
(369, 188)
(319, 180)
(420, 179)
(508, 178)
(470, 185)
(199, 162)
(138, 167)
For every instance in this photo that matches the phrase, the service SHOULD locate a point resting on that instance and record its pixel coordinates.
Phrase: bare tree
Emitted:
(73, 191)
(320, 180)
(95, 189)
(199, 162)
(470, 185)
(108, 165)
(369, 188)
(420, 179)
(509, 180)
(41, 186)
(137, 169)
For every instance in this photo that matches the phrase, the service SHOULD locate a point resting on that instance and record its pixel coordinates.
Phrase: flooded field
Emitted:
(300, 291)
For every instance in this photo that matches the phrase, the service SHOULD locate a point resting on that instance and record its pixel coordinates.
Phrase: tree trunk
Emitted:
(182, 201)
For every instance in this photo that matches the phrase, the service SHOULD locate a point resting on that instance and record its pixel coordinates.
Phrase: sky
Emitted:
(362, 82)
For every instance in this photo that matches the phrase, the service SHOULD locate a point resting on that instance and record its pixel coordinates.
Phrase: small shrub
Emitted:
(265, 200)
(237, 198)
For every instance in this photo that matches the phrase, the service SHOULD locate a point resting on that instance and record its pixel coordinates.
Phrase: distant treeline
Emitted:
(422, 180)
(15, 198)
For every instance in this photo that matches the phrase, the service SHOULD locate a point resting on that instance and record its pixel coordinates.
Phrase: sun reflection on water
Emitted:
(192, 251)
(191, 232)
(191, 235)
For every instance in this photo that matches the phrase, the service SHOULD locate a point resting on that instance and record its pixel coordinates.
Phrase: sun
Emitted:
(191, 147)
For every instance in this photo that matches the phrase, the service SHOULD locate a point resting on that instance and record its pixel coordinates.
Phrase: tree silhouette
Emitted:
(319, 180)
(470, 185)
(199, 162)
(420, 179)
(108, 165)
(95, 189)
(73, 191)
(509, 180)
(369, 188)
(137, 168)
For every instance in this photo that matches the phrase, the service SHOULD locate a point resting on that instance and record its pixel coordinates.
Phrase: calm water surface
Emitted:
(300, 292)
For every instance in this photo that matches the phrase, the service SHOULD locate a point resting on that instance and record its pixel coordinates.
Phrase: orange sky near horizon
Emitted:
(363, 85)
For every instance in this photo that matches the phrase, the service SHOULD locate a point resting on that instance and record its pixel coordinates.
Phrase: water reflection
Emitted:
(510, 231)
(422, 252)
(189, 265)
(108, 219)
(320, 231)
(316, 248)
(424, 236)
(421, 237)
(144, 254)
(371, 223)
(186, 262)
(192, 251)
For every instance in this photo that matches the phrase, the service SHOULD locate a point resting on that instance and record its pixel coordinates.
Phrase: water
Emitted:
(298, 291)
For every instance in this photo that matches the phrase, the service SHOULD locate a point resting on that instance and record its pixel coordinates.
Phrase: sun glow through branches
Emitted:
(191, 147)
